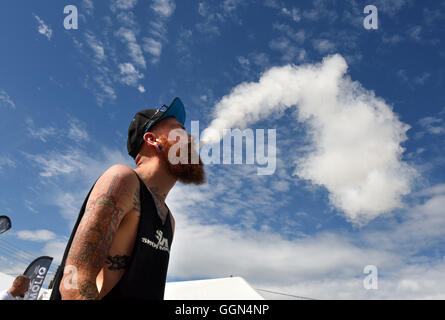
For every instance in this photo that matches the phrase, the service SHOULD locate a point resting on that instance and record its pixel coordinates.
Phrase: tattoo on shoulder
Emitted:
(117, 262)
(137, 200)
(91, 247)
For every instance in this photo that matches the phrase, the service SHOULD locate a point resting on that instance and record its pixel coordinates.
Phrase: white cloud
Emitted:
(100, 81)
(76, 168)
(262, 257)
(77, 131)
(261, 59)
(135, 52)
(123, 4)
(153, 47)
(43, 28)
(106, 91)
(421, 79)
(323, 46)
(40, 133)
(415, 33)
(271, 4)
(164, 8)
(243, 61)
(213, 15)
(55, 249)
(403, 75)
(96, 46)
(202, 10)
(141, 89)
(290, 51)
(54, 164)
(231, 5)
(69, 203)
(30, 206)
(392, 39)
(323, 265)
(129, 75)
(298, 36)
(6, 161)
(88, 6)
(281, 186)
(321, 10)
(75, 161)
(391, 8)
(5, 99)
(279, 44)
(128, 19)
(36, 235)
(293, 13)
(433, 191)
(355, 136)
(433, 125)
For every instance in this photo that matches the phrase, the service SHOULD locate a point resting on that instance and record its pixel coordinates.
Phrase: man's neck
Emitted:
(156, 177)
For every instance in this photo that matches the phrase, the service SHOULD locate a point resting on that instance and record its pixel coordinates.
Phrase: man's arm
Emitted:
(110, 199)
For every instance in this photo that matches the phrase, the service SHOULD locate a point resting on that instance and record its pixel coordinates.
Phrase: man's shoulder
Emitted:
(126, 174)
(121, 169)
(117, 181)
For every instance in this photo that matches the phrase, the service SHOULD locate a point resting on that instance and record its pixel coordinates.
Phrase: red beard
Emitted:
(187, 173)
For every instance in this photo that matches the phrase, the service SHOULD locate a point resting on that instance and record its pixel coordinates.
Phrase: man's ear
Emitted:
(150, 138)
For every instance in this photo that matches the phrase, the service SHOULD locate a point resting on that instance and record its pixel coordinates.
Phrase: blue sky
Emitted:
(67, 97)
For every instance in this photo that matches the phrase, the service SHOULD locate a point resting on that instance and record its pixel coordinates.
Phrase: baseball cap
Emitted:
(145, 119)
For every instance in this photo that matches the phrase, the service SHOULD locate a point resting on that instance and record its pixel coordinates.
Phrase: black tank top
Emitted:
(146, 273)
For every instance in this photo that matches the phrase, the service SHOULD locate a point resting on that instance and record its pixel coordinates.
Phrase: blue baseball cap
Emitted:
(145, 119)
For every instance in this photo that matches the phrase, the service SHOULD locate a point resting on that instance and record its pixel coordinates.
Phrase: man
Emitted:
(120, 246)
(19, 287)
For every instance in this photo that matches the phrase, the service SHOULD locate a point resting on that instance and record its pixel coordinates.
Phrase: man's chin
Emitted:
(189, 173)
(195, 176)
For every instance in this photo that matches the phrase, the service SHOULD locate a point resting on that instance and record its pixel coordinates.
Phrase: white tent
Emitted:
(235, 288)
(213, 289)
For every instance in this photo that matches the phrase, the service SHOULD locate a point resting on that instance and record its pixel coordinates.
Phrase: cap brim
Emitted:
(176, 110)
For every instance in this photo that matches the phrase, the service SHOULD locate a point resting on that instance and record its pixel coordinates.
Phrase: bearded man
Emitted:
(120, 245)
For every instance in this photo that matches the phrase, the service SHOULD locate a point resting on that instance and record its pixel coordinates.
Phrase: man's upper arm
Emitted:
(109, 201)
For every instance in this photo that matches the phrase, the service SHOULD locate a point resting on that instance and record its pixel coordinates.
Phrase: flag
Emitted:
(36, 272)
(5, 224)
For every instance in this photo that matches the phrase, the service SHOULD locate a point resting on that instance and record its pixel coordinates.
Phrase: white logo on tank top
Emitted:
(162, 243)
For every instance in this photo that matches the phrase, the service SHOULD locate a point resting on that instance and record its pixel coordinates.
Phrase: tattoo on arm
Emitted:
(137, 200)
(88, 290)
(95, 234)
(117, 262)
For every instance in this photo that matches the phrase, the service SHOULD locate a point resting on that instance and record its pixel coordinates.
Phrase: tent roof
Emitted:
(235, 288)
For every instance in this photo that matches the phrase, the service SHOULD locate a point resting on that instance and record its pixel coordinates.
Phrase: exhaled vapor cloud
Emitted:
(356, 138)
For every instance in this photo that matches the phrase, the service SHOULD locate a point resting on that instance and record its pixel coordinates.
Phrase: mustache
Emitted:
(191, 158)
